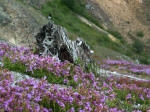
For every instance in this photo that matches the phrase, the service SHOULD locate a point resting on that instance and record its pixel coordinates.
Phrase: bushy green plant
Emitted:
(138, 46)
(140, 34)
(74, 5)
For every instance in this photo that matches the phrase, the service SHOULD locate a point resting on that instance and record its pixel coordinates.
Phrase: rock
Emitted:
(36, 3)
(3, 41)
(19, 22)
(4, 17)
(4, 21)
(89, 7)
(53, 40)
(17, 77)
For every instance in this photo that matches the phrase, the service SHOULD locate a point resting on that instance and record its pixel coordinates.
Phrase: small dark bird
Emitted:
(49, 16)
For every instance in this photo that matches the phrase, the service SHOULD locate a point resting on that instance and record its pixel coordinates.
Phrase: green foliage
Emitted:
(88, 68)
(138, 46)
(140, 34)
(72, 83)
(144, 58)
(74, 5)
(19, 67)
(50, 104)
(127, 104)
(117, 35)
(121, 104)
(78, 6)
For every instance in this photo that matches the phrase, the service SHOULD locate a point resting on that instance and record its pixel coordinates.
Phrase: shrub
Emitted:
(140, 34)
(138, 46)
(74, 5)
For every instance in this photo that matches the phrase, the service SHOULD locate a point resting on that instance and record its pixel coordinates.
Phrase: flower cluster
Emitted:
(83, 91)
(39, 96)
(129, 66)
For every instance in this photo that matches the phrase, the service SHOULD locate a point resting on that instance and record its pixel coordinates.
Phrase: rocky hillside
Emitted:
(19, 22)
(130, 17)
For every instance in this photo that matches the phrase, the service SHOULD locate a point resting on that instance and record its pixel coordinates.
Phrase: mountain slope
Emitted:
(128, 16)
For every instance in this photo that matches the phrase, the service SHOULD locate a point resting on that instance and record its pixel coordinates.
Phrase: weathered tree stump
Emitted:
(53, 40)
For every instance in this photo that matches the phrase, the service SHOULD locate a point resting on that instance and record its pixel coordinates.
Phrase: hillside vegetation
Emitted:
(30, 82)
(65, 13)
(79, 91)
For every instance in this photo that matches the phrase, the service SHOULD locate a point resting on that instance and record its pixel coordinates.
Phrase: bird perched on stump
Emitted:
(49, 16)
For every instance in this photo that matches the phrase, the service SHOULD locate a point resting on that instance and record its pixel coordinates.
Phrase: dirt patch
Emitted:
(114, 39)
